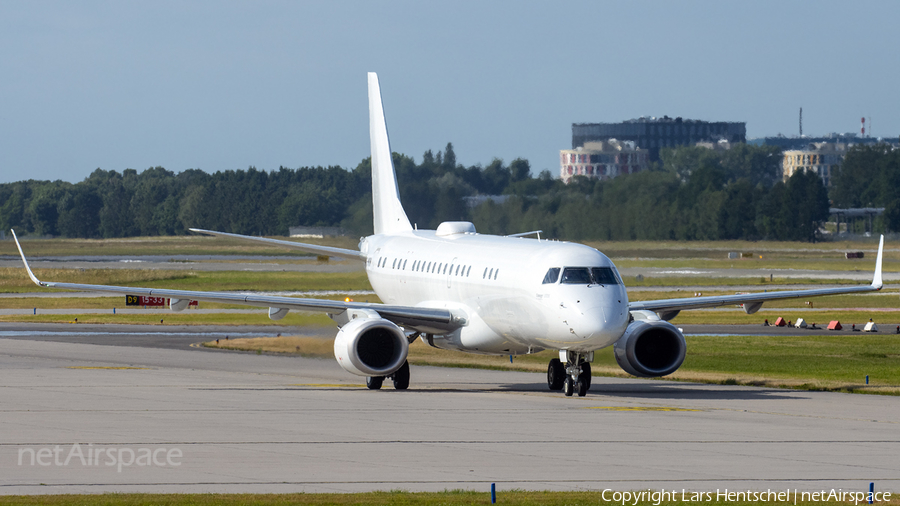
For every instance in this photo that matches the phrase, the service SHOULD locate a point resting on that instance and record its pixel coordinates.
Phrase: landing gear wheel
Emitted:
(581, 387)
(374, 382)
(586, 375)
(556, 375)
(569, 387)
(401, 377)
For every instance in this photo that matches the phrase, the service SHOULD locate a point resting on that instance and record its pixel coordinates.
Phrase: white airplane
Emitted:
(456, 289)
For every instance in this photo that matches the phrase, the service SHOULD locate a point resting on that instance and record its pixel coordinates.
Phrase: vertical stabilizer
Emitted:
(389, 214)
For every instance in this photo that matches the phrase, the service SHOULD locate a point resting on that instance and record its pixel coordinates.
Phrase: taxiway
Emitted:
(261, 423)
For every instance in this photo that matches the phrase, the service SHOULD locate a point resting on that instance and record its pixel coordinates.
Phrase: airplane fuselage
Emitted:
(500, 286)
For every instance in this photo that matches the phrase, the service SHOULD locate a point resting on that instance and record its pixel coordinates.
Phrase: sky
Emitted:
(225, 85)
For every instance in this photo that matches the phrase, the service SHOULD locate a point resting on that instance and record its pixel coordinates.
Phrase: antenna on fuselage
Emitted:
(387, 209)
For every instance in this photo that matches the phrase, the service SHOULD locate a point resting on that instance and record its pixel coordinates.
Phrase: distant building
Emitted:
(796, 142)
(602, 160)
(655, 133)
(477, 200)
(721, 145)
(823, 158)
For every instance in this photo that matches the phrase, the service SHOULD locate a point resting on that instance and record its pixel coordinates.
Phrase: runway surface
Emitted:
(217, 421)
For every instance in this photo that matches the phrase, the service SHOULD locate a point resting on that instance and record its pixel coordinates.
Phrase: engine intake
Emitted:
(371, 347)
(650, 348)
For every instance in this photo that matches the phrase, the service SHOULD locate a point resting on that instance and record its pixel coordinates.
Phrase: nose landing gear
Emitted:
(574, 377)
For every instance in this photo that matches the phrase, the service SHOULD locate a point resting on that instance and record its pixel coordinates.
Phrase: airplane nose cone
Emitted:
(600, 321)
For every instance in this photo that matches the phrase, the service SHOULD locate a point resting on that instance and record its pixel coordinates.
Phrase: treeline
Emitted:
(691, 194)
(160, 202)
(870, 177)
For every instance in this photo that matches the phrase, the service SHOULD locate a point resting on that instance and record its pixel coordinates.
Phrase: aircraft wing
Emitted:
(428, 320)
(310, 248)
(753, 301)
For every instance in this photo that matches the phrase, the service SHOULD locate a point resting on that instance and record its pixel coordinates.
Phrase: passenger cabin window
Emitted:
(552, 276)
(576, 276)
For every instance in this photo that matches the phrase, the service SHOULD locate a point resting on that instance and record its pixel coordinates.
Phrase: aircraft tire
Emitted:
(569, 387)
(556, 375)
(581, 387)
(586, 375)
(401, 377)
(374, 382)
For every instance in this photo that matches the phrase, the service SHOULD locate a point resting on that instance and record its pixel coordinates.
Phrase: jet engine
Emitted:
(371, 347)
(650, 348)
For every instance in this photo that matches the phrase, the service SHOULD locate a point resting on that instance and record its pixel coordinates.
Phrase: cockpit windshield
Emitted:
(576, 276)
(604, 276)
(552, 276)
(584, 276)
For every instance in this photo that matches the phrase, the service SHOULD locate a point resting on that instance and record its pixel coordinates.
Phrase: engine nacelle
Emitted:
(371, 347)
(650, 348)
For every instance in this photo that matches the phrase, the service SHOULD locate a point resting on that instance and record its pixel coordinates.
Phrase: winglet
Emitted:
(27, 268)
(876, 281)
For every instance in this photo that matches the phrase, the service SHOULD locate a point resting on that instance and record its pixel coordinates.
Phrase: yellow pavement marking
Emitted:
(111, 368)
(640, 408)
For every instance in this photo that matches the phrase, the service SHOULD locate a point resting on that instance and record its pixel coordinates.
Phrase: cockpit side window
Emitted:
(552, 276)
(576, 276)
(604, 276)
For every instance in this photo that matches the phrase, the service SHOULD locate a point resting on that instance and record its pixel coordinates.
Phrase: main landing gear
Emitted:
(574, 376)
(400, 379)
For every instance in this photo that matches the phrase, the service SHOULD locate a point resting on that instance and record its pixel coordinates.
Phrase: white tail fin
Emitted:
(389, 214)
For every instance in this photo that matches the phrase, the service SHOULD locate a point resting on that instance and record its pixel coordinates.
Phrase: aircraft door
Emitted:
(450, 270)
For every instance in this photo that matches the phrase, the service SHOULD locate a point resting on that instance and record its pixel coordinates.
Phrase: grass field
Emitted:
(168, 245)
(16, 280)
(399, 498)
